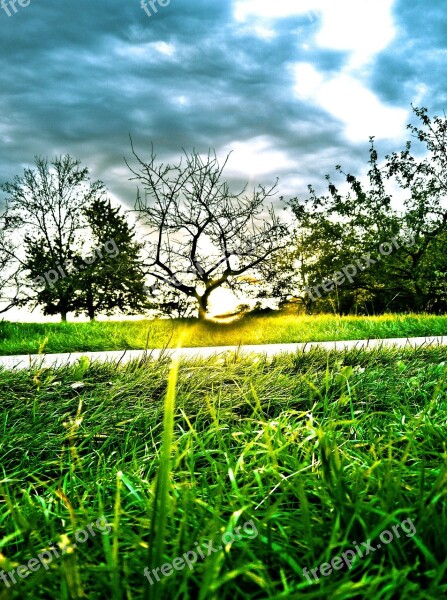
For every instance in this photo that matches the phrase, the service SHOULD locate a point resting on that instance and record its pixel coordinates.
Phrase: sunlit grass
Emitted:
(23, 338)
(319, 450)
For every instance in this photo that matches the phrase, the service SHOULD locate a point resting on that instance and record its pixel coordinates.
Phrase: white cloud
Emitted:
(261, 31)
(149, 51)
(358, 27)
(261, 13)
(163, 48)
(421, 90)
(349, 101)
(256, 157)
(361, 27)
(271, 9)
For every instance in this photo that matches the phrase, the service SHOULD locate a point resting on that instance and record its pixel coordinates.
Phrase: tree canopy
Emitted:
(396, 246)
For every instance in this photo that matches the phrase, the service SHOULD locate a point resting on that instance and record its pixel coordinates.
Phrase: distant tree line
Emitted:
(65, 247)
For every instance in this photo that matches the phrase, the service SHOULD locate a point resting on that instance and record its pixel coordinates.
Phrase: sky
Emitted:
(291, 87)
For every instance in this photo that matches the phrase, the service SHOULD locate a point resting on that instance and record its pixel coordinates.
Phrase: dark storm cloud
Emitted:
(417, 56)
(79, 77)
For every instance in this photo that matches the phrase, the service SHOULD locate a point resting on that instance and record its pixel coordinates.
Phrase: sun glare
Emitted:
(222, 302)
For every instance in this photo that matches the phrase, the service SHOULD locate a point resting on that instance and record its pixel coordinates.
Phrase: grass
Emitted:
(318, 451)
(24, 338)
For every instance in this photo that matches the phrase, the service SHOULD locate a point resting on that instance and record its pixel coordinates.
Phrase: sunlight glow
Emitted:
(223, 301)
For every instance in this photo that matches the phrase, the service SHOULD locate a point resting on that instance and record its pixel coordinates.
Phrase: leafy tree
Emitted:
(53, 283)
(110, 277)
(424, 182)
(335, 231)
(200, 236)
(44, 209)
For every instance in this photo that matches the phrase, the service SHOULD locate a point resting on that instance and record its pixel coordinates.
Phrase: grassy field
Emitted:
(311, 456)
(23, 338)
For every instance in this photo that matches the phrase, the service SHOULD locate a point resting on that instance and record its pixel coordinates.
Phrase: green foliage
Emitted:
(56, 298)
(114, 281)
(80, 252)
(336, 230)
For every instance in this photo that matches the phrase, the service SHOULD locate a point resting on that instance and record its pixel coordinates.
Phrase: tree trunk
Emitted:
(90, 306)
(63, 317)
(203, 305)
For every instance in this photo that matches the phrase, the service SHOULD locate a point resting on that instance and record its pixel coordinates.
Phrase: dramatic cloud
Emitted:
(292, 87)
(289, 86)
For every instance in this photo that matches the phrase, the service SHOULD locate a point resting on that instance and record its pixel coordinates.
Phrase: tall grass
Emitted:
(319, 450)
(162, 500)
(23, 338)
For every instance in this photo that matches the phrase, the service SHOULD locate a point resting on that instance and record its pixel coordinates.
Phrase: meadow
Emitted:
(24, 338)
(318, 452)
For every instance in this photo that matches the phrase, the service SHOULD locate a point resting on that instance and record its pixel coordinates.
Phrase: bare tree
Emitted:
(200, 236)
(10, 270)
